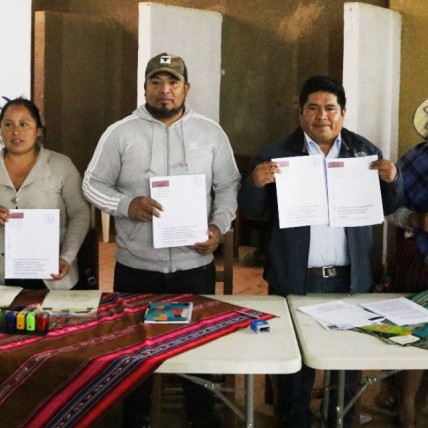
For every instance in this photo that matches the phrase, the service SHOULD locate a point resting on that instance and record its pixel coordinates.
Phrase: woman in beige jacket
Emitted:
(34, 177)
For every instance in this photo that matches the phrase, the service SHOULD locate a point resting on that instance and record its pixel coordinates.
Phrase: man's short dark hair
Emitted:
(324, 84)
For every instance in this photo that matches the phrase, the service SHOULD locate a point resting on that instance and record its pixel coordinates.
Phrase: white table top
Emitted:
(244, 351)
(349, 350)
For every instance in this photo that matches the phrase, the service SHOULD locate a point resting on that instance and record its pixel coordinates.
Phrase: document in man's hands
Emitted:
(348, 196)
(301, 192)
(183, 220)
(32, 244)
(354, 197)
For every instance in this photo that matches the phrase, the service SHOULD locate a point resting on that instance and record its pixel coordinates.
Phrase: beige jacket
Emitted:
(54, 182)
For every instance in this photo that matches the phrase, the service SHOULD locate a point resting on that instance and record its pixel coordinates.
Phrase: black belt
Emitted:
(330, 271)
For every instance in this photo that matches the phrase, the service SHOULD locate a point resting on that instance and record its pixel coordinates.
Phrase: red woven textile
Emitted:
(71, 376)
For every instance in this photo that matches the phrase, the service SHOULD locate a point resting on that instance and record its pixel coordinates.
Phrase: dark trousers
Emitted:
(199, 401)
(294, 390)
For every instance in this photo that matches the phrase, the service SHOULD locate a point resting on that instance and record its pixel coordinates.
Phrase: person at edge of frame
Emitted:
(34, 177)
(410, 269)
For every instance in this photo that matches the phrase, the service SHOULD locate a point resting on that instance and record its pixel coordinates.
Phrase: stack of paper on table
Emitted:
(400, 311)
(341, 315)
(73, 302)
(344, 316)
(407, 320)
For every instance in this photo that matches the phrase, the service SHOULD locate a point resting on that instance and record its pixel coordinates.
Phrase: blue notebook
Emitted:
(168, 313)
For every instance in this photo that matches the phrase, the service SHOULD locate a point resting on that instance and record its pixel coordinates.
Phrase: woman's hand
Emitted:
(4, 215)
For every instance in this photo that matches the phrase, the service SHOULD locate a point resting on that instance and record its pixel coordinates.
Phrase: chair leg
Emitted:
(236, 236)
(230, 418)
(105, 222)
(155, 417)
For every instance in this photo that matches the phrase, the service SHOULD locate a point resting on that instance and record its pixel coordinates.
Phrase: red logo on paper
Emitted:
(16, 215)
(163, 183)
(336, 164)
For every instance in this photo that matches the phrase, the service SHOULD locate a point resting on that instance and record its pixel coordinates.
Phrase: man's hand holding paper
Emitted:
(209, 246)
(301, 193)
(143, 208)
(354, 195)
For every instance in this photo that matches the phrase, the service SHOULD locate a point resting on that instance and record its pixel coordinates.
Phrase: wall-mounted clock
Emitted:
(420, 119)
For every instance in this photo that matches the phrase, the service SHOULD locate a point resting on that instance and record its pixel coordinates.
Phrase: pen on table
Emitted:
(376, 318)
(246, 313)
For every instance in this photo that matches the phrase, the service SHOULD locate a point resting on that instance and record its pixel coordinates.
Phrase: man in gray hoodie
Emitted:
(164, 137)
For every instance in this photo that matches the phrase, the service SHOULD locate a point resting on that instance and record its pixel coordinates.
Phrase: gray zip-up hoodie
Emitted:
(139, 147)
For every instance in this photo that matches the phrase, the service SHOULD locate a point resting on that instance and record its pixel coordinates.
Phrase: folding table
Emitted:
(71, 376)
(244, 351)
(349, 350)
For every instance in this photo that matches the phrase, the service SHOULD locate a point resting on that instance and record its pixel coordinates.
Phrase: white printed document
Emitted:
(32, 244)
(301, 191)
(348, 196)
(400, 311)
(340, 315)
(183, 220)
(354, 196)
(75, 301)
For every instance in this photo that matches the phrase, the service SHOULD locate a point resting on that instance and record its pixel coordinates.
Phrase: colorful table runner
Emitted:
(69, 377)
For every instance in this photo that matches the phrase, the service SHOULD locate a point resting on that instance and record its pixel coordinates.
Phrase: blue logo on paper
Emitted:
(196, 181)
(49, 218)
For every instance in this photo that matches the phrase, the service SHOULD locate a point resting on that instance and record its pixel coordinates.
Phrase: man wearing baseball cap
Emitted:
(163, 137)
(167, 63)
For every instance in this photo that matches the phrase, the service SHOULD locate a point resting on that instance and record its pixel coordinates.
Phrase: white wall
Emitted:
(371, 77)
(15, 49)
(193, 34)
(371, 74)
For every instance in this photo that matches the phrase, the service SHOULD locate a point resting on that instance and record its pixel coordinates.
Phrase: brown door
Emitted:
(76, 80)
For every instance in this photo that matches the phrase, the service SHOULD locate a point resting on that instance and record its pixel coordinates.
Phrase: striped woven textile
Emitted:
(69, 377)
